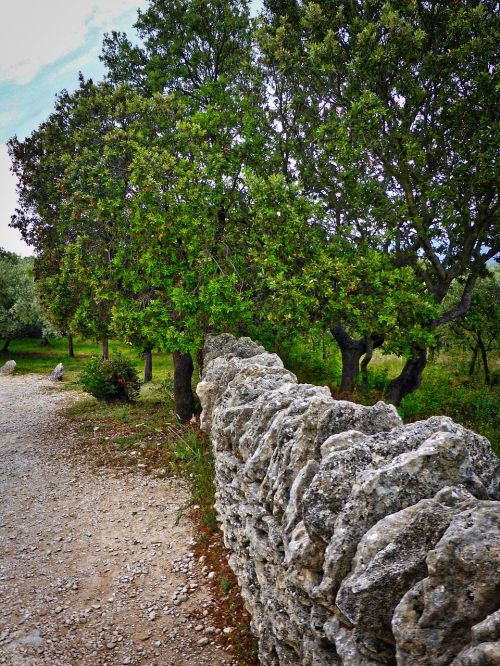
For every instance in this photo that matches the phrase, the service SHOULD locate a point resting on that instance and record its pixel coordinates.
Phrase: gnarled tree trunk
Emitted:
(148, 364)
(409, 379)
(6, 344)
(183, 392)
(352, 350)
(105, 350)
(472, 364)
(366, 359)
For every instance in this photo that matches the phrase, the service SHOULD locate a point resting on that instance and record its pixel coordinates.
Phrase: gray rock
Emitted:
(487, 630)
(228, 346)
(57, 373)
(333, 484)
(343, 415)
(484, 649)
(390, 559)
(8, 368)
(410, 477)
(345, 645)
(486, 654)
(220, 372)
(434, 620)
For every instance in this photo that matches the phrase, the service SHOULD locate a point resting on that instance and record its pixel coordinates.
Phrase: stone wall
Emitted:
(356, 540)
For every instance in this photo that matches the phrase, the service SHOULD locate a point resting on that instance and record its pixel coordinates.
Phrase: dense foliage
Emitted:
(329, 166)
(20, 311)
(113, 379)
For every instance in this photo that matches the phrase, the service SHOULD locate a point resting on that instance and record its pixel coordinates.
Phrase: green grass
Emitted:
(446, 388)
(32, 356)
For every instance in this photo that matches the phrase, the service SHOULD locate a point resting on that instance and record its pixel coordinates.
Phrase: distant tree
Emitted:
(20, 312)
(67, 219)
(478, 330)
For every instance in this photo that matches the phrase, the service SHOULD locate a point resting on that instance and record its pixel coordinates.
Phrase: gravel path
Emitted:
(93, 568)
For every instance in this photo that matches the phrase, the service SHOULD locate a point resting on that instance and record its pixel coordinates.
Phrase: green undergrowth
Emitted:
(315, 359)
(472, 404)
(446, 388)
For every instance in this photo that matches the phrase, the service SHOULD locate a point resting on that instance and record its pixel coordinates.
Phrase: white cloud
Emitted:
(10, 239)
(35, 33)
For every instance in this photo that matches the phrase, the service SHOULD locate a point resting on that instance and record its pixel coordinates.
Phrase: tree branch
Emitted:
(461, 308)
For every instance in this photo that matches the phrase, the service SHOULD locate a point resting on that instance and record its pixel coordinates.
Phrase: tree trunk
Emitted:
(45, 342)
(183, 392)
(410, 378)
(71, 351)
(6, 344)
(105, 350)
(366, 360)
(351, 351)
(148, 364)
(473, 360)
(484, 356)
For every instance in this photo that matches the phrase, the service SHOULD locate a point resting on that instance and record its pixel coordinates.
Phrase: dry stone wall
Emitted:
(356, 540)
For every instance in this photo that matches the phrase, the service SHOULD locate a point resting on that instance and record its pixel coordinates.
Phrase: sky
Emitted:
(43, 46)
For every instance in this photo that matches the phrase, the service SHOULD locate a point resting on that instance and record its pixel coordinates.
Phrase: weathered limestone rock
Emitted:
(57, 373)
(356, 540)
(410, 477)
(8, 368)
(434, 620)
(486, 654)
(391, 558)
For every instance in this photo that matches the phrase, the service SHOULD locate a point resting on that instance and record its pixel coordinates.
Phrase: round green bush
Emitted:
(112, 380)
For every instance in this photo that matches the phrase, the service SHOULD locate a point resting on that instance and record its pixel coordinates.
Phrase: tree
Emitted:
(478, 329)
(46, 217)
(396, 128)
(194, 48)
(313, 278)
(197, 55)
(179, 268)
(20, 312)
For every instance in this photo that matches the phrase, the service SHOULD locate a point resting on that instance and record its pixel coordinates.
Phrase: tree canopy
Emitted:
(330, 164)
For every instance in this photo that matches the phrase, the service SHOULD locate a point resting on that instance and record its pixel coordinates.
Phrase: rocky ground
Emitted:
(95, 566)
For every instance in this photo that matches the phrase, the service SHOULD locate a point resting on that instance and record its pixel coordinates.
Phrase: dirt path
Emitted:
(93, 568)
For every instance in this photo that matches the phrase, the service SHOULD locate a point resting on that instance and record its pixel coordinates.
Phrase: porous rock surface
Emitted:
(356, 540)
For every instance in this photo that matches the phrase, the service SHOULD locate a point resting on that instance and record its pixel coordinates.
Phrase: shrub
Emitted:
(111, 380)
